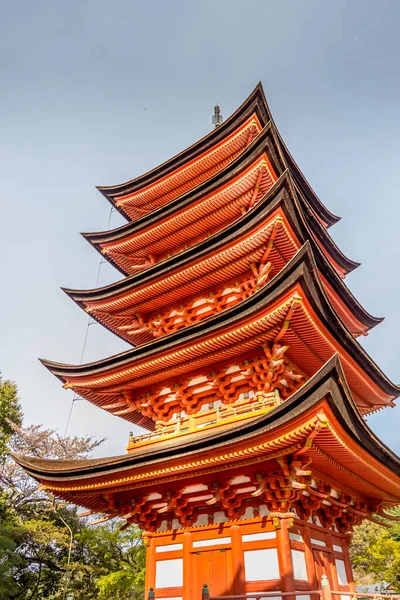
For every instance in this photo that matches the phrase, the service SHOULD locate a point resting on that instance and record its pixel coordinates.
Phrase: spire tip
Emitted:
(217, 117)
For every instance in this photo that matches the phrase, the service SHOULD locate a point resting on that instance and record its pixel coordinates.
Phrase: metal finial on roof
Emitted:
(217, 117)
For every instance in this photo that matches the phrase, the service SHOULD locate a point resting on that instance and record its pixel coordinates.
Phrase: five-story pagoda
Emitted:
(245, 370)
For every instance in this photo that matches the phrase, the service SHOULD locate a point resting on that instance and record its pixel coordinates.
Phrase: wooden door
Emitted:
(213, 567)
(323, 565)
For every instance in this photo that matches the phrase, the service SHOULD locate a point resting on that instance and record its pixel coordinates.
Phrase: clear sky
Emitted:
(97, 92)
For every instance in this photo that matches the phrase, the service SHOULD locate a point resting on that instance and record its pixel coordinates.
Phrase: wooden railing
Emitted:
(259, 595)
(221, 415)
(325, 593)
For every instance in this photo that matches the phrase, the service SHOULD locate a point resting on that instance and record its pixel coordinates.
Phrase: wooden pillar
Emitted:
(187, 566)
(332, 575)
(149, 542)
(347, 562)
(238, 560)
(328, 540)
(309, 556)
(282, 525)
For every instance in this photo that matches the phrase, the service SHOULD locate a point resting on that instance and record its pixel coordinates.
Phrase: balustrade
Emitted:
(215, 415)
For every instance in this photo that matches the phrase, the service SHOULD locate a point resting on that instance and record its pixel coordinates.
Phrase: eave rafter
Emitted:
(171, 171)
(220, 351)
(138, 245)
(220, 259)
(255, 106)
(145, 200)
(228, 193)
(313, 438)
(313, 336)
(198, 222)
(233, 276)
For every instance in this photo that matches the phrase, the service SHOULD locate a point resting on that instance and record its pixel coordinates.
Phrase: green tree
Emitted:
(120, 585)
(34, 540)
(114, 559)
(375, 553)
(9, 559)
(10, 412)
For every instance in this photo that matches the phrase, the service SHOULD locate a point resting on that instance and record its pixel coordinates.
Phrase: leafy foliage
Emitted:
(375, 553)
(8, 561)
(121, 585)
(10, 412)
(105, 564)
(35, 540)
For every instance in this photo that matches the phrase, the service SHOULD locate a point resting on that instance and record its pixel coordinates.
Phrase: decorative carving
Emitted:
(261, 374)
(197, 309)
(137, 263)
(276, 522)
(283, 489)
(200, 307)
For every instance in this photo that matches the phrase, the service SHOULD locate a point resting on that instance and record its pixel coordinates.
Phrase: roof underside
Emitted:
(254, 107)
(221, 258)
(314, 335)
(344, 448)
(200, 211)
(305, 302)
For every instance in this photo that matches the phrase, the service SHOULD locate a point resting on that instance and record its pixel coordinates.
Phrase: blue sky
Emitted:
(94, 92)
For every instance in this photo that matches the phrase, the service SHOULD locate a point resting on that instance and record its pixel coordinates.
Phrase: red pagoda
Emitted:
(245, 370)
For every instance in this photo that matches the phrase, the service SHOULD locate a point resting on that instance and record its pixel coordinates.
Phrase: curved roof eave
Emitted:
(301, 269)
(266, 141)
(256, 102)
(251, 219)
(325, 238)
(252, 104)
(261, 144)
(328, 383)
(326, 216)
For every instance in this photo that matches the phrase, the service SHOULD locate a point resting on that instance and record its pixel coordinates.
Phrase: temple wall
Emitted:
(244, 556)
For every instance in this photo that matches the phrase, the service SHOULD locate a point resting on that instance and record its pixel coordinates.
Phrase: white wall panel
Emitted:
(254, 537)
(169, 548)
(169, 573)
(261, 565)
(299, 565)
(341, 572)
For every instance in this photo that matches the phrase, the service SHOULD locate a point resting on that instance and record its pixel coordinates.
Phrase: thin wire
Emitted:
(71, 541)
(90, 322)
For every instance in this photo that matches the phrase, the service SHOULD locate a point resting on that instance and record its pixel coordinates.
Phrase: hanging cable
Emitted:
(90, 322)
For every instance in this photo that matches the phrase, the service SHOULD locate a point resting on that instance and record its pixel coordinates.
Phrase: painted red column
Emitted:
(187, 566)
(331, 560)
(238, 560)
(149, 542)
(347, 563)
(309, 556)
(284, 553)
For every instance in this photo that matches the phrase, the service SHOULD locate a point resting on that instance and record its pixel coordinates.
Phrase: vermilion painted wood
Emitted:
(248, 375)
(221, 566)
